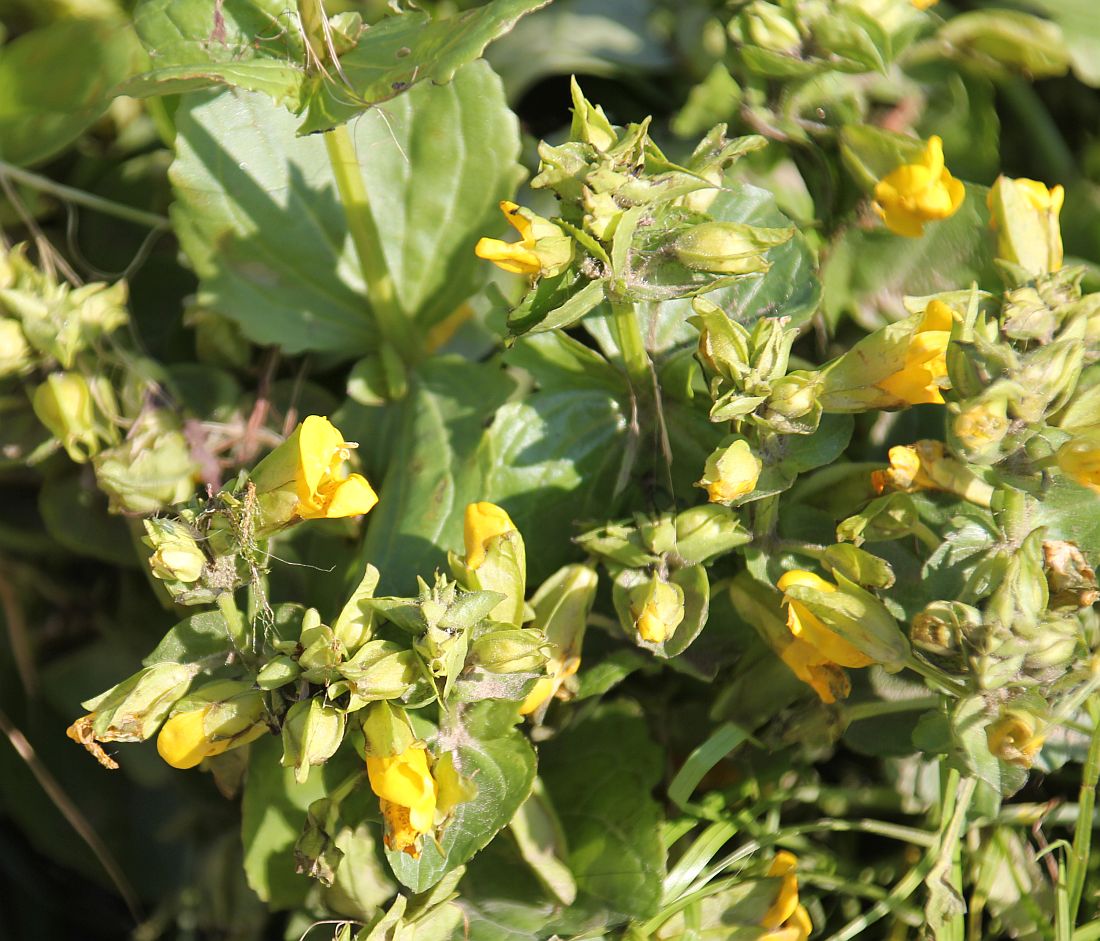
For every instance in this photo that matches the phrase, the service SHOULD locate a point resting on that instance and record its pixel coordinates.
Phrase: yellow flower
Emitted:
(545, 688)
(806, 626)
(657, 608)
(817, 671)
(786, 919)
(543, 248)
(730, 473)
(301, 478)
(1014, 738)
(924, 4)
(926, 466)
(916, 193)
(918, 381)
(483, 523)
(1080, 459)
(184, 739)
(407, 795)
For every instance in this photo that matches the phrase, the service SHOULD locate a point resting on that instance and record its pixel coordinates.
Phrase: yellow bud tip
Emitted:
(484, 522)
(182, 742)
(407, 795)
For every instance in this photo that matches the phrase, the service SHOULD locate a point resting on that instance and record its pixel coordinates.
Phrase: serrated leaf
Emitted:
(501, 762)
(258, 215)
(609, 816)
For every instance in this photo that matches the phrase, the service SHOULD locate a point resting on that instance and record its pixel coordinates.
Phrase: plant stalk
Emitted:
(1082, 829)
(631, 343)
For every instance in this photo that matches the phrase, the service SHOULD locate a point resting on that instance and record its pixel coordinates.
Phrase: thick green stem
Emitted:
(935, 675)
(869, 710)
(631, 343)
(1082, 830)
(390, 319)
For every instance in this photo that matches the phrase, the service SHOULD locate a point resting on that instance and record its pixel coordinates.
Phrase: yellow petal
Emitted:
(804, 579)
(937, 316)
(182, 741)
(402, 779)
(828, 680)
(513, 213)
(350, 497)
(318, 443)
(540, 693)
(509, 256)
(483, 523)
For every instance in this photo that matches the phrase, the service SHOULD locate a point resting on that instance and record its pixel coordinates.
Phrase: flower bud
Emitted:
(940, 627)
(1016, 738)
(704, 532)
(509, 650)
(312, 731)
(76, 412)
(1079, 458)
(176, 554)
(657, 608)
(730, 473)
(886, 518)
(278, 671)
(1047, 378)
(16, 355)
(977, 430)
(727, 247)
(767, 26)
(590, 124)
(222, 715)
(495, 559)
(926, 466)
(1025, 216)
(1021, 596)
(561, 605)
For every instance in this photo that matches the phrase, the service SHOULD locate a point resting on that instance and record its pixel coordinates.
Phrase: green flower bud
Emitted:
(380, 670)
(150, 470)
(765, 25)
(16, 355)
(312, 731)
(978, 428)
(1027, 317)
(1021, 596)
(723, 343)
(861, 567)
(707, 531)
(509, 650)
(619, 543)
(590, 124)
(1054, 646)
(1047, 379)
(321, 654)
(794, 405)
(939, 628)
(176, 554)
(386, 730)
(727, 247)
(134, 709)
(278, 671)
(886, 518)
(77, 413)
(495, 560)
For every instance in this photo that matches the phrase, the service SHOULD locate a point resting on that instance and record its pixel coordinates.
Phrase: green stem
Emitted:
(1082, 830)
(926, 536)
(81, 198)
(390, 319)
(935, 675)
(631, 344)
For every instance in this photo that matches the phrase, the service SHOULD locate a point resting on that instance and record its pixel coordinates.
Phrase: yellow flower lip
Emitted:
(805, 626)
(918, 381)
(1080, 459)
(407, 795)
(916, 193)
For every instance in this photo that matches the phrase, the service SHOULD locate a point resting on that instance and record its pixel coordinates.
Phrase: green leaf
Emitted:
(257, 212)
(1071, 512)
(501, 762)
(551, 460)
(434, 470)
(252, 44)
(400, 51)
(56, 81)
(1081, 31)
(273, 812)
(610, 820)
(199, 637)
